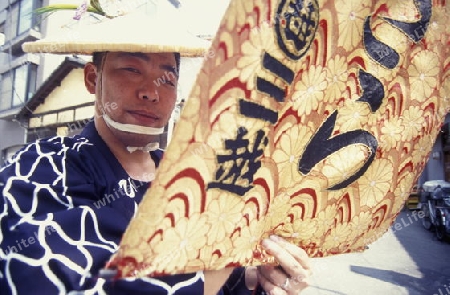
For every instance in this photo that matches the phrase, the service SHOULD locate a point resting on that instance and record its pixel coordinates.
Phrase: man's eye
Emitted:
(133, 70)
(170, 83)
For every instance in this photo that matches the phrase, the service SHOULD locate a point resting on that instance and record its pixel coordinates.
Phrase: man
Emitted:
(56, 235)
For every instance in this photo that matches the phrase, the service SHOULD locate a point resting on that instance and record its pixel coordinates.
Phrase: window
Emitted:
(2, 34)
(6, 91)
(25, 20)
(20, 86)
(17, 86)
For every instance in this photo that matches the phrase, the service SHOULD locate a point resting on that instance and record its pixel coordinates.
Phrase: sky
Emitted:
(204, 16)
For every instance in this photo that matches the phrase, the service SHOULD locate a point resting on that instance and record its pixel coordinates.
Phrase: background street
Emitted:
(405, 261)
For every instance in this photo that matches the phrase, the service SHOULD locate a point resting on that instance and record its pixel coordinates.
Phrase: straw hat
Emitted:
(136, 31)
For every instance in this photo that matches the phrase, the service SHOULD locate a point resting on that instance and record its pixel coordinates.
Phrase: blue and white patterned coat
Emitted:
(65, 204)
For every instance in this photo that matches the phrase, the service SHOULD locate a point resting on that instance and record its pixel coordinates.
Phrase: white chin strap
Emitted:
(152, 146)
(132, 128)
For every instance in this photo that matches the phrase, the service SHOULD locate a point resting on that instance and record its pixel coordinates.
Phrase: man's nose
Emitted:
(149, 93)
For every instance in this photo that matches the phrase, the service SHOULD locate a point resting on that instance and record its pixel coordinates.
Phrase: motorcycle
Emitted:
(435, 207)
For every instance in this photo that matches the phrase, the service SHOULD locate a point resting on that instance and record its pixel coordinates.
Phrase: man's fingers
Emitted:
(274, 274)
(269, 286)
(298, 253)
(292, 259)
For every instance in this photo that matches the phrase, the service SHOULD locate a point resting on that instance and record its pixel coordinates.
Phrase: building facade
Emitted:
(18, 71)
(438, 165)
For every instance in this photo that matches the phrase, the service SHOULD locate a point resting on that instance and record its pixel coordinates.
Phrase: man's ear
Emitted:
(90, 77)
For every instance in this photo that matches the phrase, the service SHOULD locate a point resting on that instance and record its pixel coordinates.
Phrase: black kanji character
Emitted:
(236, 170)
(323, 144)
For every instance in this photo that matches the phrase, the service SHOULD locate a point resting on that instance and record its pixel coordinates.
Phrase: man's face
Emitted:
(138, 89)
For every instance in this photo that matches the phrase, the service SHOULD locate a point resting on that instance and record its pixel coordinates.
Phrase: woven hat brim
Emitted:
(131, 33)
(87, 48)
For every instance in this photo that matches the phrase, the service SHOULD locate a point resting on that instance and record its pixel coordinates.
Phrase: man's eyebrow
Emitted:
(168, 67)
(135, 54)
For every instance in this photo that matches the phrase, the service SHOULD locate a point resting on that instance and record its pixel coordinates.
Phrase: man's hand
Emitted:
(289, 277)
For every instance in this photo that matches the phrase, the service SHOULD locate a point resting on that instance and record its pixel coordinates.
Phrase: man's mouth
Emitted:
(144, 117)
